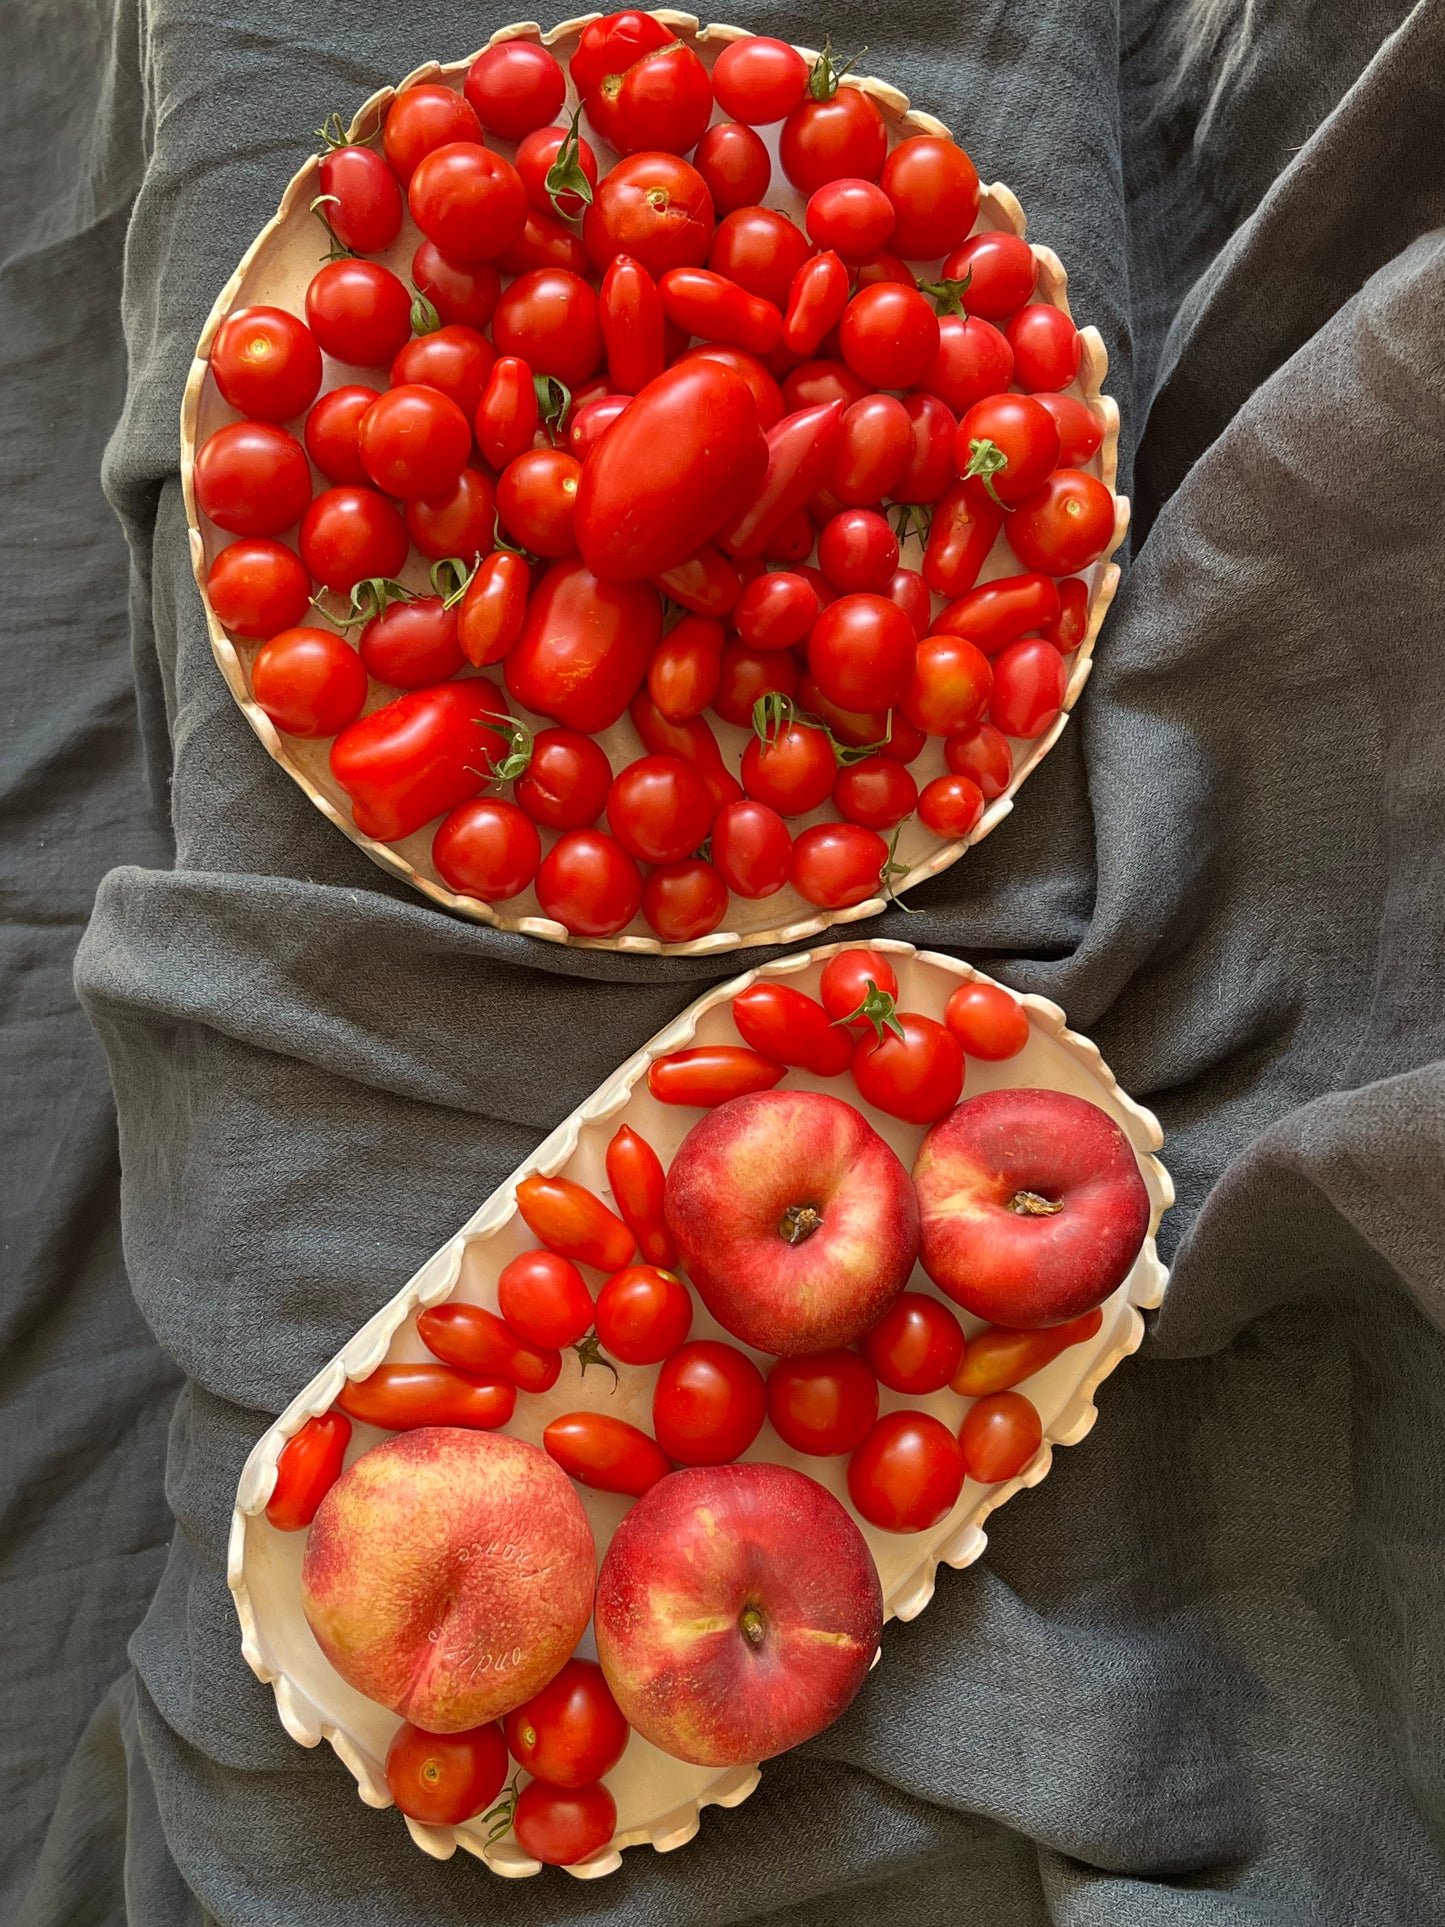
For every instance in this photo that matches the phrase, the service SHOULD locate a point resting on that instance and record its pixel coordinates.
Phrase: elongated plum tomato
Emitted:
(685, 459)
(606, 1453)
(784, 1024)
(586, 643)
(654, 207)
(309, 1465)
(266, 363)
(419, 756)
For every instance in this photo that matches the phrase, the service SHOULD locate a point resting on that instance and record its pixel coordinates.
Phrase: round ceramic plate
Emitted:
(659, 1798)
(275, 271)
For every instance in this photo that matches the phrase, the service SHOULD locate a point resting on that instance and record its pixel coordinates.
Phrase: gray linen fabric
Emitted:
(1198, 1678)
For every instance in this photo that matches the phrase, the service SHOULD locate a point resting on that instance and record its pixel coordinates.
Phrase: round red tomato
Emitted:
(566, 782)
(414, 442)
(411, 644)
(653, 207)
(309, 682)
(746, 674)
(889, 335)
(1080, 430)
(776, 611)
(838, 864)
(735, 165)
(421, 119)
(646, 99)
(752, 849)
(790, 769)
(549, 320)
(1010, 443)
(761, 250)
(589, 884)
(1046, 347)
(463, 293)
(515, 87)
(460, 522)
(1065, 525)
(684, 901)
(873, 451)
(917, 1076)
(333, 433)
(570, 1733)
(878, 793)
(973, 361)
(822, 1404)
(252, 478)
(950, 686)
(933, 187)
(544, 1299)
(853, 218)
(487, 848)
(360, 199)
(861, 652)
(709, 1404)
(659, 809)
(456, 360)
(536, 496)
(359, 312)
(907, 1474)
(266, 363)
(999, 1435)
(834, 134)
(468, 200)
(850, 978)
(538, 154)
(442, 1779)
(258, 587)
(1000, 270)
(643, 1314)
(858, 552)
(758, 80)
(950, 805)
(982, 755)
(916, 1346)
(908, 589)
(561, 1825)
(988, 1021)
(350, 534)
(1029, 680)
(930, 467)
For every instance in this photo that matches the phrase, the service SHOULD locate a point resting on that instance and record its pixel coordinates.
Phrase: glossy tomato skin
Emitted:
(658, 103)
(515, 87)
(632, 322)
(589, 884)
(933, 187)
(917, 1076)
(654, 207)
(838, 864)
(692, 741)
(544, 1299)
(507, 416)
(549, 319)
(908, 589)
(776, 611)
(1029, 681)
(854, 218)
(973, 361)
(561, 1825)
(950, 686)
(889, 335)
(403, 1398)
(350, 534)
(700, 302)
(907, 1474)
(858, 552)
(591, 422)
(659, 809)
(643, 1314)
(414, 442)
(997, 613)
(1065, 525)
(359, 312)
(999, 1435)
(930, 467)
(752, 849)
(916, 1346)
(816, 383)
(566, 782)
(606, 1453)
(258, 587)
(477, 1340)
(468, 200)
(1046, 347)
(791, 769)
(455, 359)
(487, 848)
(419, 756)
(824, 1403)
(1000, 270)
(252, 478)
(848, 978)
(421, 119)
(709, 1403)
(442, 1779)
(411, 644)
(792, 1028)
(873, 451)
(1017, 429)
(745, 675)
(988, 1021)
(1071, 625)
(638, 1181)
(758, 80)
(999, 1358)
(536, 500)
(965, 527)
(266, 363)
(761, 250)
(309, 1465)
(684, 900)
(861, 652)
(584, 647)
(735, 165)
(878, 793)
(544, 243)
(711, 1074)
(363, 201)
(494, 608)
(459, 522)
(1080, 430)
(573, 1221)
(333, 429)
(950, 805)
(464, 293)
(570, 1733)
(683, 673)
(767, 396)
(982, 755)
(829, 140)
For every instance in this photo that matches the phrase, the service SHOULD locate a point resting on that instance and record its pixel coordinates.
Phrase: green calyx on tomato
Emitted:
(520, 739)
(554, 403)
(826, 74)
(338, 251)
(877, 1009)
(424, 318)
(947, 296)
(369, 598)
(499, 541)
(332, 134)
(891, 869)
(565, 175)
(985, 460)
(912, 518)
(774, 713)
(451, 578)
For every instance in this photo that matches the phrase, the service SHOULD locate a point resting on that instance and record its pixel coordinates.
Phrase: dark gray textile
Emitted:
(1198, 1678)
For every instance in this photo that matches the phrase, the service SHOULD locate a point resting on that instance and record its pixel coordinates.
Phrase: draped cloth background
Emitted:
(1198, 1677)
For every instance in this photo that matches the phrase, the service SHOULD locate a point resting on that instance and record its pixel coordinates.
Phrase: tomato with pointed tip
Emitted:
(917, 1075)
(309, 1465)
(266, 363)
(443, 1779)
(791, 1027)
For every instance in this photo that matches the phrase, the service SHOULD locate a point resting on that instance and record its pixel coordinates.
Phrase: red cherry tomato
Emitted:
(561, 1825)
(359, 312)
(411, 644)
(838, 864)
(638, 1182)
(973, 361)
(468, 200)
(693, 742)
(950, 805)
(659, 102)
(588, 883)
(333, 433)
(1000, 270)
(464, 293)
(643, 1314)
(703, 303)
(833, 133)
(853, 218)
(908, 589)
(659, 809)
(566, 782)
(998, 1358)
(592, 421)
(487, 848)
(1010, 443)
(536, 157)
(904, 741)
(536, 496)
(791, 1028)
(758, 80)
(585, 646)
(515, 87)
(861, 652)
(776, 611)
(916, 1346)
(950, 686)
(683, 673)
(965, 527)
(685, 900)
(767, 396)
(454, 359)
(477, 1340)
(709, 1403)
(419, 756)
(930, 466)
(907, 1474)
(309, 1465)
(442, 1779)
(735, 165)
(822, 1404)
(252, 478)
(573, 1221)
(1046, 347)
(544, 1299)
(889, 336)
(606, 1453)
(744, 675)
(421, 119)
(266, 363)
(916, 1076)
(1080, 430)
(982, 755)
(612, 44)
(1071, 625)
(858, 552)
(988, 1021)
(1029, 680)
(752, 849)
(790, 768)
(999, 612)
(711, 1074)
(873, 451)
(460, 522)
(400, 1398)
(544, 243)
(549, 320)
(349, 535)
(360, 197)
(1000, 1434)
(414, 441)
(570, 1733)
(1063, 526)
(878, 793)
(258, 587)
(849, 978)
(933, 187)
(886, 267)
(761, 250)
(655, 208)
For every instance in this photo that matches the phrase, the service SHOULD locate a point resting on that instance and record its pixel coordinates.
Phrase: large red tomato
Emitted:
(419, 756)
(654, 207)
(585, 646)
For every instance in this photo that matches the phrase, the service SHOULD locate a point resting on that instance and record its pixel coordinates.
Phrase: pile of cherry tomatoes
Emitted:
(661, 447)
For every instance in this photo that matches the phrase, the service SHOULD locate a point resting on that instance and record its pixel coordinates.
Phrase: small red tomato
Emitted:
(570, 1733)
(1071, 625)
(464, 293)
(589, 884)
(1080, 429)
(873, 450)
(350, 534)
(997, 613)
(454, 359)
(1029, 680)
(573, 174)
(907, 1474)
(494, 607)
(984, 757)
(916, 1076)
(836, 865)
(477, 1340)
(561, 1825)
(605, 1453)
(758, 80)
(861, 652)
(638, 1181)
(258, 588)
(761, 250)
(973, 361)
(515, 87)
(886, 267)
(468, 200)
(653, 207)
(790, 767)
(853, 218)
(360, 199)
(933, 187)
(488, 849)
(908, 589)
(252, 478)
(833, 132)
(999, 1358)
(791, 1028)
(950, 686)
(878, 793)
(309, 1465)
(549, 319)
(1000, 270)
(661, 102)
(950, 805)
(693, 742)
(574, 1222)
(817, 296)
(711, 1074)
(1009, 443)
(414, 442)
(1063, 526)
(333, 430)
(889, 335)
(403, 1398)
(536, 495)
(745, 674)
(858, 552)
(411, 644)
(659, 809)
(421, 119)
(309, 682)
(703, 303)
(460, 522)
(709, 1403)
(566, 782)
(266, 363)
(1046, 347)
(442, 1779)
(776, 611)
(685, 900)
(544, 1299)
(752, 849)
(988, 1021)
(643, 1314)
(683, 673)
(1000, 1434)
(592, 421)
(823, 1404)
(964, 529)
(359, 312)
(735, 165)
(916, 1346)
(849, 979)
(930, 465)
(816, 383)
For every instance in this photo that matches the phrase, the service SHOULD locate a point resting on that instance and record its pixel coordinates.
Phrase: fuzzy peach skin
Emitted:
(738, 1612)
(734, 1178)
(448, 1574)
(1032, 1206)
